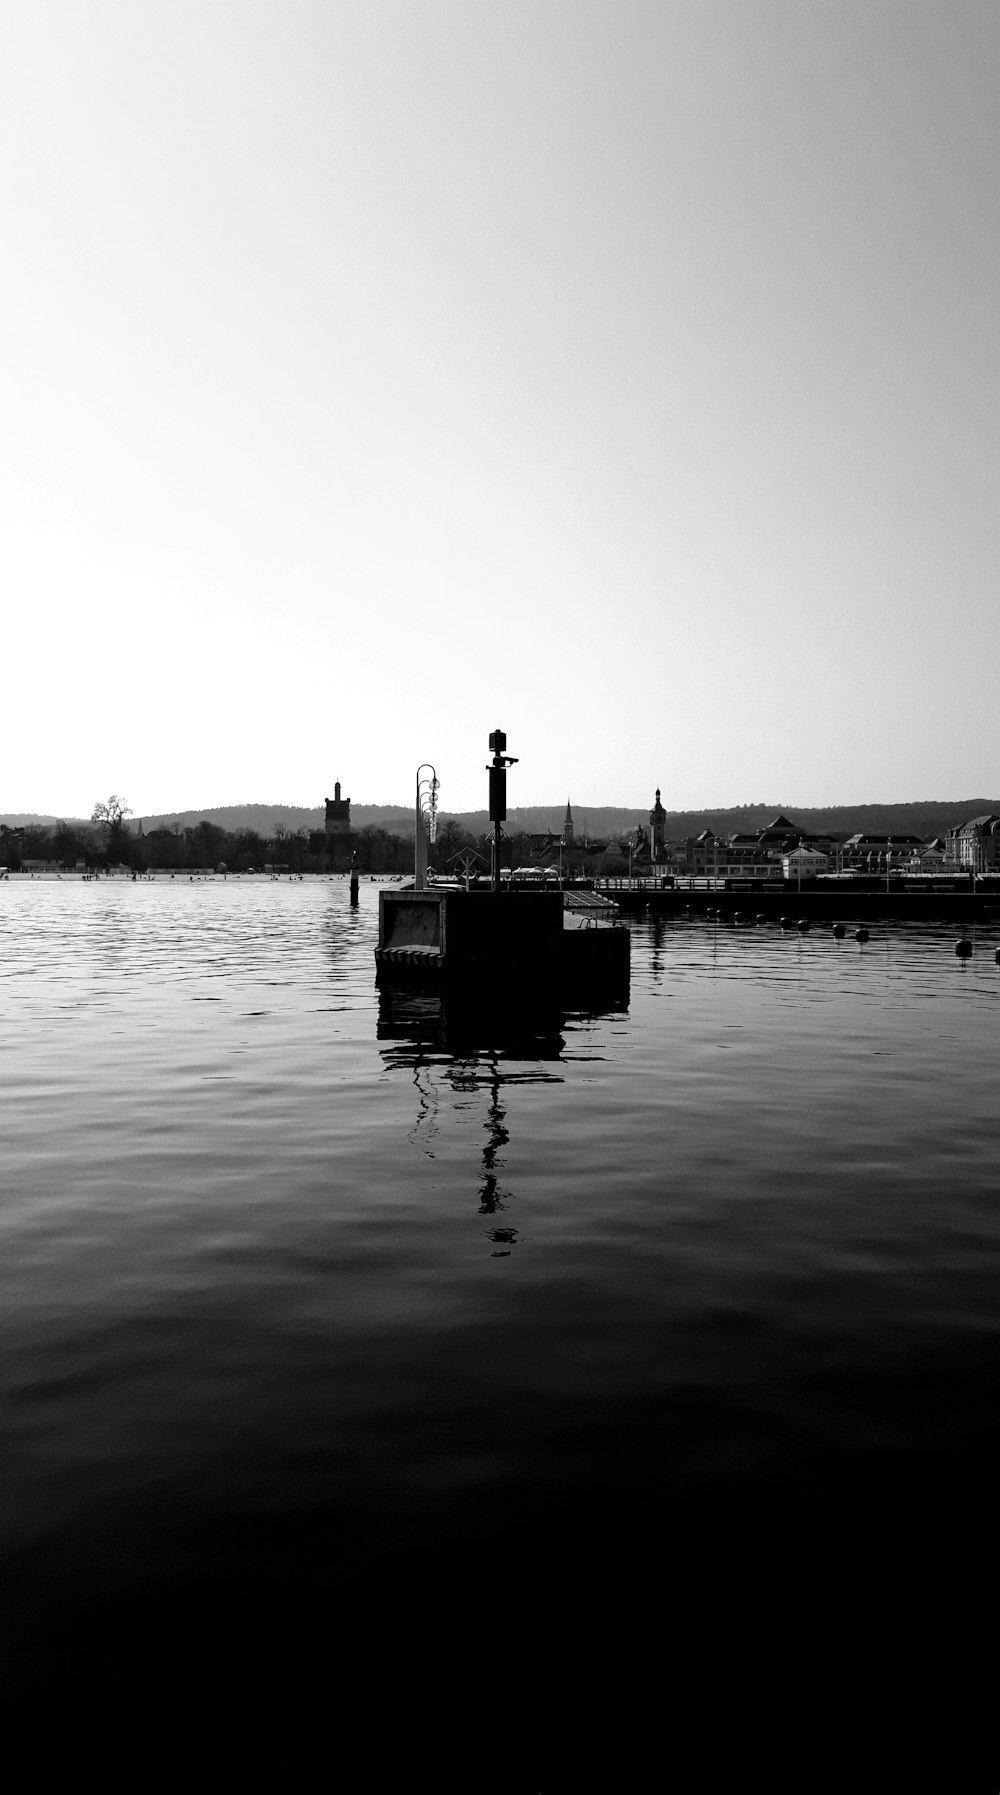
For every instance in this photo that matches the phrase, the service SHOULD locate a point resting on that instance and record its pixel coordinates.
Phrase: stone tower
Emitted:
(338, 813)
(339, 835)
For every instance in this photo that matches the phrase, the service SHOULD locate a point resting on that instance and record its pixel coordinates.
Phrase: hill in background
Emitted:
(925, 818)
(262, 817)
(259, 817)
(609, 823)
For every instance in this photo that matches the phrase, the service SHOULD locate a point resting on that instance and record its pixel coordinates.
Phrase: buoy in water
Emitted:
(861, 934)
(839, 930)
(786, 922)
(803, 925)
(963, 947)
(762, 918)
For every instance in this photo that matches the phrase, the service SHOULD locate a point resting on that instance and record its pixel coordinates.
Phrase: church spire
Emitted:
(567, 834)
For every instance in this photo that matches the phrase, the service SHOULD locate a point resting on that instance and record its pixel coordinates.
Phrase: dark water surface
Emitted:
(504, 1409)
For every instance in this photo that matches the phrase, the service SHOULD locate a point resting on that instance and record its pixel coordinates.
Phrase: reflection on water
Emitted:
(473, 1049)
(491, 1195)
(367, 1360)
(457, 1026)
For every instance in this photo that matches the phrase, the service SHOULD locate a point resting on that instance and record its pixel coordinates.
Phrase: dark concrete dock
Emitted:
(867, 900)
(507, 945)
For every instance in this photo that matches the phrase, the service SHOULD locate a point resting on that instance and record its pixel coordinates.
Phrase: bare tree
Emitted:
(111, 816)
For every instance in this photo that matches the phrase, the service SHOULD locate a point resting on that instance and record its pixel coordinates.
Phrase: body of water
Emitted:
(503, 1407)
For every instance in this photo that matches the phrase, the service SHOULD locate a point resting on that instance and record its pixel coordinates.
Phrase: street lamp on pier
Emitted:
(425, 822)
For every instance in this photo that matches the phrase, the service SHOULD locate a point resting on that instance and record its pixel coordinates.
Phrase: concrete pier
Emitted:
(506, 946)
(904, 901)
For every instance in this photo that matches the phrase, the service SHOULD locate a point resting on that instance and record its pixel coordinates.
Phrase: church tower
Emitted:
(567, 834)
(657, 829)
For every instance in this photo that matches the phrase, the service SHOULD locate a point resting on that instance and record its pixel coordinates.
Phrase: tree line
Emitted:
(205, 847)
(109, 840)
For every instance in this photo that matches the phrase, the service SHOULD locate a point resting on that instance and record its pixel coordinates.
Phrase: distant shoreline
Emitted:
(923, 817)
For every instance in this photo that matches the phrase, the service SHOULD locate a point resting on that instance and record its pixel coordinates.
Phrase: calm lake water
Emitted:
(491, 1405)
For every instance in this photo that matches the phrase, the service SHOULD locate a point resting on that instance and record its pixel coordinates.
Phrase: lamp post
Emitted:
(425, 822)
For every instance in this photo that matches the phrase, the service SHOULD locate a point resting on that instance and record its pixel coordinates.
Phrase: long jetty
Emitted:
(834, 898)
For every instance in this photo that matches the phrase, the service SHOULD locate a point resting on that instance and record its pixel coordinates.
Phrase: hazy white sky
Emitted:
(375, 372)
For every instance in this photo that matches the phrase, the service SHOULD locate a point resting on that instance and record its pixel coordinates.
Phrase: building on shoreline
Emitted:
(975, 846)
(782, 848)
(804, 863)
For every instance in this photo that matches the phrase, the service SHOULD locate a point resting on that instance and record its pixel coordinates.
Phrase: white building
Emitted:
(804, 863)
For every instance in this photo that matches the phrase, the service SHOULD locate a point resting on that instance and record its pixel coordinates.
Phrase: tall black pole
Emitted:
(497, 771)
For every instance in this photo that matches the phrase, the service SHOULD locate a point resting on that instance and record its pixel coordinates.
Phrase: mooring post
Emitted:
(354, 878)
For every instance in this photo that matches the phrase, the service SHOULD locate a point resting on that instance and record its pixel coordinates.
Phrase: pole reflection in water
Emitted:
(658, 939)
(437, 1041)
(425, 1127)
(492, 1196)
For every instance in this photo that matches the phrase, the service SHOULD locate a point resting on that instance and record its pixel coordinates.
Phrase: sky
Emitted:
(379, 372)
